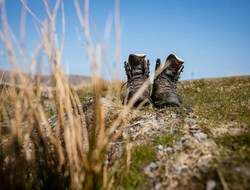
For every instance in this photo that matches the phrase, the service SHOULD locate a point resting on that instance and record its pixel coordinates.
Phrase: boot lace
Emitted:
(134, 82)
(167, 84)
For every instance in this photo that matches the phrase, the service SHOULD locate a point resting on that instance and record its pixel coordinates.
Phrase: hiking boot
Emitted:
(164, 91)
(137, 71)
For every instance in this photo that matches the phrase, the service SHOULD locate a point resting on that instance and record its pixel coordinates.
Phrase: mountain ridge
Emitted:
(10, 78)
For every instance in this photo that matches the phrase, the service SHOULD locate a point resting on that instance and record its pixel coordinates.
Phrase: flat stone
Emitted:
(147, 170)
(211, 184)
(169, 150)
(106, 162)
(200, 136)
(152, 165)
(242, 169)
(160, 147)
(124, 135)
(190, 121)
(173, 115)
(151, 175)
(178, 143)
(157, 186)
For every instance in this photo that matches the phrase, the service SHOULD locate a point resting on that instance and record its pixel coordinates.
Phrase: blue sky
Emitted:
(213, 36)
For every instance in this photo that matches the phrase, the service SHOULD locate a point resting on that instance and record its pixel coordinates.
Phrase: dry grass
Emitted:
(71, 153)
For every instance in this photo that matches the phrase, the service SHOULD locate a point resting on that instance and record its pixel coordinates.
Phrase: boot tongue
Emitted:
(136, 59)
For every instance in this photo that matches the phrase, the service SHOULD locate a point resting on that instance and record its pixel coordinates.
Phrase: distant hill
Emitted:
(7, 77)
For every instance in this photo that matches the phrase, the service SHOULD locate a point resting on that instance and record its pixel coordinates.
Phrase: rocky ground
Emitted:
(188, 155)
(206, 147)
(192, 151)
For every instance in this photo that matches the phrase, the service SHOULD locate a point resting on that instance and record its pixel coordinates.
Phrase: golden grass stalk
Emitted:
(68, 152)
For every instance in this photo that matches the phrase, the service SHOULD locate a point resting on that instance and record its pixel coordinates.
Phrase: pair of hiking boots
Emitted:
(164, 92)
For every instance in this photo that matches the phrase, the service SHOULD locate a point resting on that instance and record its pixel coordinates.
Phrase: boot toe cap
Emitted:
(170, 99)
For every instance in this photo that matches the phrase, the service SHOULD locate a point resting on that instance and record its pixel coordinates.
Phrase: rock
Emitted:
(186, 140)
(178, 146)
(151, 175)
(200, 136)
(169, 150)
(104, 100)
(159, 163)
(191, 121)
(147, 170)
(160, 147)
(173, 115)
(243, 169)
(152, 165)
(234, 131)
(106, 162)
(178, 143)
(158, 186)
(9, 160)
(124, 135)
(211, 184)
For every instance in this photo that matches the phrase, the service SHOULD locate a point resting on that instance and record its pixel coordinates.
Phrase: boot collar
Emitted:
(171, 58)
(139, 55)
(136, 59)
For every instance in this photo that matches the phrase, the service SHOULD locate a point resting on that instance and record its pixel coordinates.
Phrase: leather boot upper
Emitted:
(164, 91)
(137, 71)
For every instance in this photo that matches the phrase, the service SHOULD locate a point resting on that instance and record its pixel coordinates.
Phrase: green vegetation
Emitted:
(163, 139)
(134, 178)
(166, 138)
(235, 142)
(225, 103)
(217, 103)
(221, 100)
(235, 163)
(84, 93)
